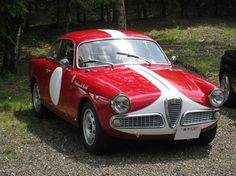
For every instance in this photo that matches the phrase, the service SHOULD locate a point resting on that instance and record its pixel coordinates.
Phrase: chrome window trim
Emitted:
(198, 123)
(129, 38)
(138, 115)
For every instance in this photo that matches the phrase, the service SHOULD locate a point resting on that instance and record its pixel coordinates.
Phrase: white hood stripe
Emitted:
(166, 88)
(149, 77)
(114, 33)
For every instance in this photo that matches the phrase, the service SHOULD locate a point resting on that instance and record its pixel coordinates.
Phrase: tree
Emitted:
(120, 9)
(12, 14)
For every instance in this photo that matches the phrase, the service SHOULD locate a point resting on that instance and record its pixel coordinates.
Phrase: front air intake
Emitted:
(173, 109)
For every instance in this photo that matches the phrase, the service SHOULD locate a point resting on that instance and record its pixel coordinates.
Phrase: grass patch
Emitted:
(197, 43)
(11, 153)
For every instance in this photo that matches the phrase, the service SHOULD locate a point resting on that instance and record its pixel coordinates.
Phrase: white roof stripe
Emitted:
(114, 33)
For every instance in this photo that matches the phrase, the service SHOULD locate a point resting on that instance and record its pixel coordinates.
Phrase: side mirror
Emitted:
(64, 62)
(173, 59)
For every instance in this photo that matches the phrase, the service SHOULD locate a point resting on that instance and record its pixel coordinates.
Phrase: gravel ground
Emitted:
(55, 148)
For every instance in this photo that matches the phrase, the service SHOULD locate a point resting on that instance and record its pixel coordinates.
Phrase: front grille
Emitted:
(173, 110)
(197, 117)
(145, 121)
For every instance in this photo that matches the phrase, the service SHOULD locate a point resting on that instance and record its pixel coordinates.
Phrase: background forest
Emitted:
(19, 17)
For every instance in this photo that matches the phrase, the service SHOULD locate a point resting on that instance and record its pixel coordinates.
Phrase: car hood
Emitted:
(148, 83)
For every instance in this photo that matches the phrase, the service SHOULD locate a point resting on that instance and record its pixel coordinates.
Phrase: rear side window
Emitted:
(66, 51)
(53, 53)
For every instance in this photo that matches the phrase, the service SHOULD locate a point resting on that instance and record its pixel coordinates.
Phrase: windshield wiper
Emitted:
(81, 61)
(134, 56)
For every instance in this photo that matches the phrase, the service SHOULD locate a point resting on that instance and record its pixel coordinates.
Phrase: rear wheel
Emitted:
(225, 84)
(38, 107)
(207, 137)
(94, 138)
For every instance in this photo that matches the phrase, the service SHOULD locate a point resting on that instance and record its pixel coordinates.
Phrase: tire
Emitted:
(207, 137)
(39, 109)
(93, 136)
(225, 84)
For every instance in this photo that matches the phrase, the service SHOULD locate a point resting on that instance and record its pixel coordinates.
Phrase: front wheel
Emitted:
(207, 137)
(94, 138)
(38, 107)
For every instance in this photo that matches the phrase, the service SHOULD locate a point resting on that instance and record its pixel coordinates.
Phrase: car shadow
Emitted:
(229, 112)
(66, 139)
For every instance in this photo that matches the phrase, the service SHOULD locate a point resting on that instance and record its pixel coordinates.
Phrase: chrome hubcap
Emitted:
(225, 85)
(89, 127)
(36, 98)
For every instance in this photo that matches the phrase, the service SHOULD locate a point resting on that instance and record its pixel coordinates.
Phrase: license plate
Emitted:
(190, 132)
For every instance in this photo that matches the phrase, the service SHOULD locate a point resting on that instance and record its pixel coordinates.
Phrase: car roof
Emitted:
(96, 34)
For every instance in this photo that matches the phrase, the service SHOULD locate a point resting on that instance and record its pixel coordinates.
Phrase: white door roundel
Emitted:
(55, 85)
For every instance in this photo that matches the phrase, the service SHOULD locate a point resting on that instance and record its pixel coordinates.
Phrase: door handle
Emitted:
(48, 70)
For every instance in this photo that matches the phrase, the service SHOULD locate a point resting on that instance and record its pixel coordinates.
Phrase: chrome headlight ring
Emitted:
(120, 104)
(216, 97)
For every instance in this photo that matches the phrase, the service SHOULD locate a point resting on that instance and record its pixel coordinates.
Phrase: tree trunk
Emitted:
(5, 62)
(184, 8)
(84, 17)
(144, 5)
(198, 7)
(78, 16)
(108, 14)
(102, 16)
(67, 17)
(58, 14)
(113, 11)
(163, 9)
(229, 8)
(216, 4)
(120, 6)
(138, 9)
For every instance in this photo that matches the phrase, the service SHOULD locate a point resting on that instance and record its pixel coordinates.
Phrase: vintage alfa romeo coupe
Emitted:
(121, 84)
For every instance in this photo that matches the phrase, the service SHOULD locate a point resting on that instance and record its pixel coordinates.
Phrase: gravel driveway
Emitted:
(55, 148)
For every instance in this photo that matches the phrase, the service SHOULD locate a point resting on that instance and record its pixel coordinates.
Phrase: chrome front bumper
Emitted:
(156, 123)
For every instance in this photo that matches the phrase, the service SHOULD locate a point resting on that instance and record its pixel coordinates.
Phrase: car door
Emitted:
(67, 51)
(51, 63)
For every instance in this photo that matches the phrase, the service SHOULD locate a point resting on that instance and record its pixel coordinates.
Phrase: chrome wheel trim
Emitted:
(36, 98)
(225, 85)
(89, 127)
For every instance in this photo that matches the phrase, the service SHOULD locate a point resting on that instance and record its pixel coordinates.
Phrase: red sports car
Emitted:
(121, 84)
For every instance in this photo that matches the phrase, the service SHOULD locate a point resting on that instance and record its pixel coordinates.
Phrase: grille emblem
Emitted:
(173, 108)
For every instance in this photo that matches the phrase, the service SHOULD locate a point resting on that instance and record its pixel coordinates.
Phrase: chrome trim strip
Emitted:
(138, 115)
(198, 123)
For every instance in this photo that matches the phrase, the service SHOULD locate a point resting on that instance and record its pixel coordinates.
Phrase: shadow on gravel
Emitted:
(66, 139)
(230, 112)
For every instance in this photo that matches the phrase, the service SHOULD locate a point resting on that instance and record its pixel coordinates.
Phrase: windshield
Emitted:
(119, 51)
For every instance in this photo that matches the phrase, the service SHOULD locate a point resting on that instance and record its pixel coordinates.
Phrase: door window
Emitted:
(66, 51)
(53, 53)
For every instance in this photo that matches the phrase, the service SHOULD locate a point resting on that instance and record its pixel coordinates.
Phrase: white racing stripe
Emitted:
(114, 33)
(149, 77)
(166, 88)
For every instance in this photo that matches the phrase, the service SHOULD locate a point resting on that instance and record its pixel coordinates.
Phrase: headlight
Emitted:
(216, 97)
(120, 104)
